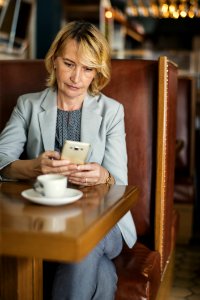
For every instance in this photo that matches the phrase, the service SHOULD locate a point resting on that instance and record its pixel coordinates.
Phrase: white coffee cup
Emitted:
(51, 185)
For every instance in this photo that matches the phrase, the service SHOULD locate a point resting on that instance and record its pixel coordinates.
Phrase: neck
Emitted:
(69, 105)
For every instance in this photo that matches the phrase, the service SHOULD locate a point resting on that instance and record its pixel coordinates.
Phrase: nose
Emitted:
(76, 74)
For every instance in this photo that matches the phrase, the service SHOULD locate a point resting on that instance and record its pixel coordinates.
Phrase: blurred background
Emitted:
(144, 28)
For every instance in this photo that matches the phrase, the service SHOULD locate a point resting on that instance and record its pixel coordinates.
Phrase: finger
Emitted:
(51, 154)
(60, 163)
(86, 167)
(83, 180)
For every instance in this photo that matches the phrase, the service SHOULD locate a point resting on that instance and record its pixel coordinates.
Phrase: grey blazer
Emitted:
(32, 127)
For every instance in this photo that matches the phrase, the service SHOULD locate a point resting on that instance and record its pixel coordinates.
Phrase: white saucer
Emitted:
(71, 195)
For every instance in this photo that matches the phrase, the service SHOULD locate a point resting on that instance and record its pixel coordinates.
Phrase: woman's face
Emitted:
(73, 78)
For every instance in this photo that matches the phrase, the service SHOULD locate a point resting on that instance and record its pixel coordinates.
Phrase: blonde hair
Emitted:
(93, 49)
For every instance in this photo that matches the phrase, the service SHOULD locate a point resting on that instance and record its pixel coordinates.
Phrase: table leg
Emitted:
(21, 278)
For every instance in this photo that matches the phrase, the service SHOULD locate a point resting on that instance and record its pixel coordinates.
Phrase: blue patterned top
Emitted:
(68, 127)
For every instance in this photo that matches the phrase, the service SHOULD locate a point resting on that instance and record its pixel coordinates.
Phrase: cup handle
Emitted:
(38, 187)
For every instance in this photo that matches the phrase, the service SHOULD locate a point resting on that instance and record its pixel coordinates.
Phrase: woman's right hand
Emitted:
(50, 162)
(45, 163)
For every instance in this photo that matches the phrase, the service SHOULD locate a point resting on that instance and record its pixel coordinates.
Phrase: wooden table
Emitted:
(31, 233)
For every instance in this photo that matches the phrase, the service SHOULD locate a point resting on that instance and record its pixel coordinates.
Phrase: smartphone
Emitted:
(74, 151)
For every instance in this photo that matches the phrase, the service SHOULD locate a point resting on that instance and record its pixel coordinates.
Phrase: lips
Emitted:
(72, 87)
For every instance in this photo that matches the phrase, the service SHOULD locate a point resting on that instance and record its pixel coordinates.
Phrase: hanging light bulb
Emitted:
(165, 8)
(108, 14)
(193, 9)
(191, 14)
(2, 2)
(175, 14)
(153, 9)
(172, 8)
(106, 20)
(183, 14)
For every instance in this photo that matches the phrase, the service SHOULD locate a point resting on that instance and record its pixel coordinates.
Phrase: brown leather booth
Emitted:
(147, 89)
(18, 77)
(184, 194)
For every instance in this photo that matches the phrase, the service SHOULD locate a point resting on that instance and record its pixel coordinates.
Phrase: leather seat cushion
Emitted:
(139, 273)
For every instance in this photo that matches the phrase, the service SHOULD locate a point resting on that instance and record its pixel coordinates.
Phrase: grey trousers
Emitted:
(94, 277)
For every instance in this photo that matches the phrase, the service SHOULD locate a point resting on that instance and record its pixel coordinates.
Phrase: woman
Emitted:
(73, 108)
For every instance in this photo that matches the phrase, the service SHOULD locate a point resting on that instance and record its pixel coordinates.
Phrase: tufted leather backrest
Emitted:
(134, 83)
(18, 77)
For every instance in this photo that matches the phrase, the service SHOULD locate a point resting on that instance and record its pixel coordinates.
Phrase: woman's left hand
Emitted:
(89, 174)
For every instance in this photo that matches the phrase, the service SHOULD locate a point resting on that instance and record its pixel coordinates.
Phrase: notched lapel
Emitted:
(90, 122)
(47, 120)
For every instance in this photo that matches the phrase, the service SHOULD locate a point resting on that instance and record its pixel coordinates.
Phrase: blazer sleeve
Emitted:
(13, 137)
(115, 158)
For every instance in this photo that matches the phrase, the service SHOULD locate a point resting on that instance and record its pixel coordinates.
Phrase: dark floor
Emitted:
(186, 284)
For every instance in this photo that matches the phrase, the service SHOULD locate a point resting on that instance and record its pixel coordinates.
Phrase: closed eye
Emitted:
(68, 64)
(88, 69)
